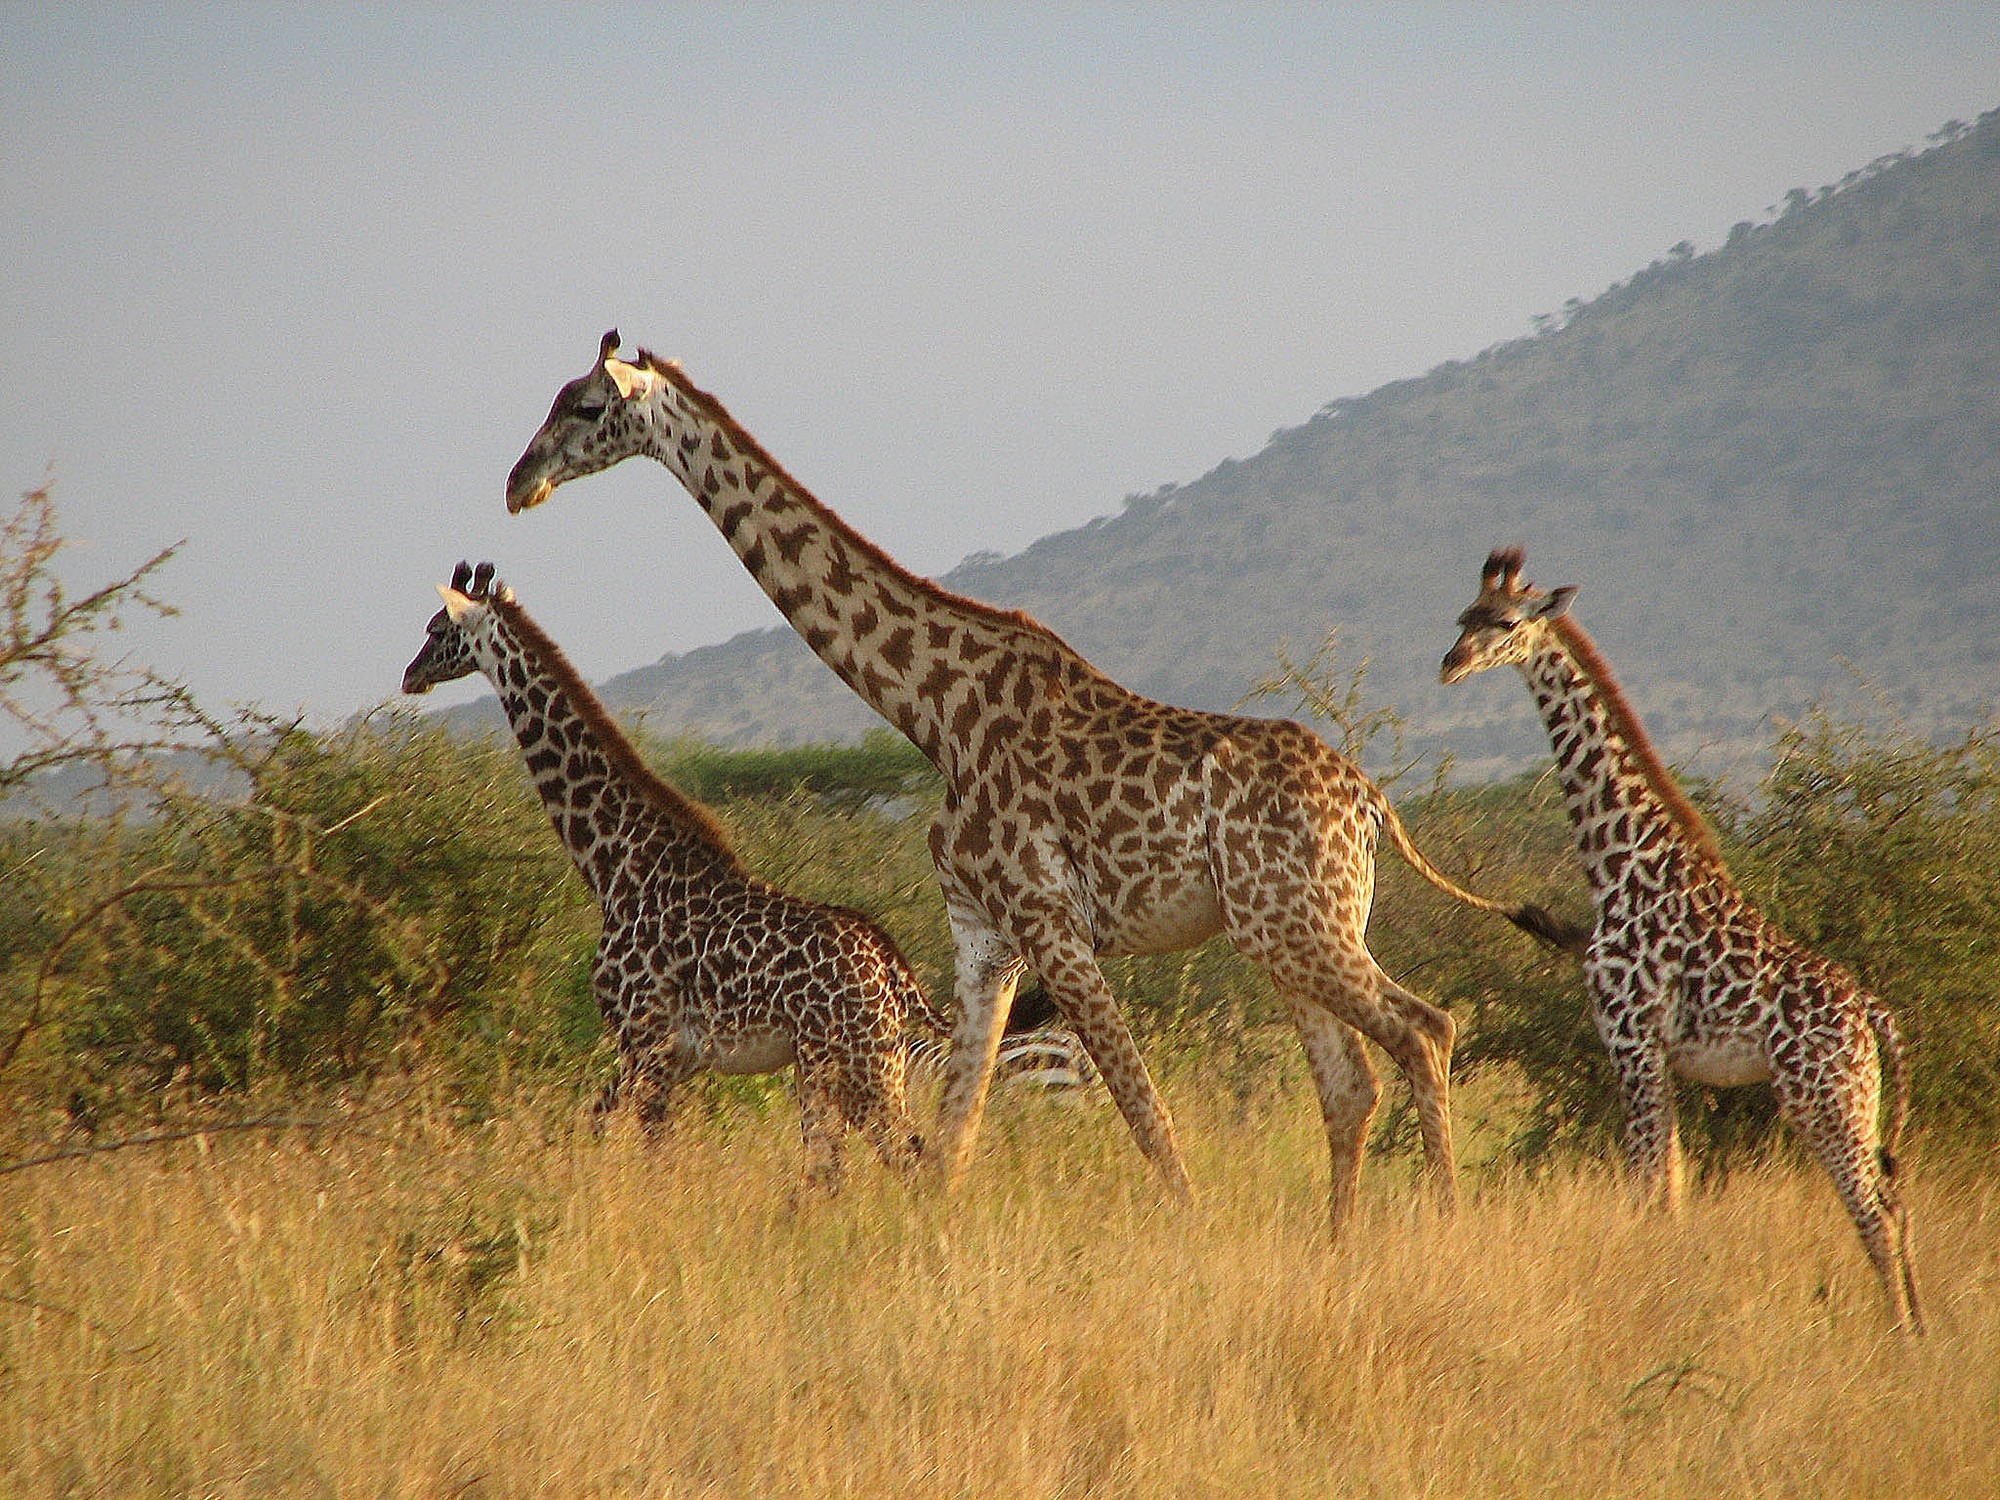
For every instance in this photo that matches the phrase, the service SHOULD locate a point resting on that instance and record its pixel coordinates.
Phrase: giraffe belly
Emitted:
(738, 1051)
(1183, 918)
(1722, 1062)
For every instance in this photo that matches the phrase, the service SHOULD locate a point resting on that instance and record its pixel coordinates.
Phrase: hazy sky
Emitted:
(297, 283)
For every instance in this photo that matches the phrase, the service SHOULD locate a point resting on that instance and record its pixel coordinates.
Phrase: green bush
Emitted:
(1882, 850)
(343, 898)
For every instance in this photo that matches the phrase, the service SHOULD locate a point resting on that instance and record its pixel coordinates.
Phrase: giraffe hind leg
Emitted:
(1838, 1128)
(1348, 1092)
(1294, 877)
(1891, 1194)
(1426, 1062)
(1353, 992)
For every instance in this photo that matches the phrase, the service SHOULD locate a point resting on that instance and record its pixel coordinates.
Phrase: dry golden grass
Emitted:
(518, 1310)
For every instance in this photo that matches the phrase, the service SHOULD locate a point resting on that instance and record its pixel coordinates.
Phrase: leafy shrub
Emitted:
(366, 889)
(1882, 850)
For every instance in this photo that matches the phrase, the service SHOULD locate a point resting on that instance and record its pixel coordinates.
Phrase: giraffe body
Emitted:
(1684, 974)
(1079, 819)
(701, 964)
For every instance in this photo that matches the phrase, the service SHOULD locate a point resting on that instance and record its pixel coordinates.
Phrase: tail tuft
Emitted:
(1896, 1070)
(1545, 927)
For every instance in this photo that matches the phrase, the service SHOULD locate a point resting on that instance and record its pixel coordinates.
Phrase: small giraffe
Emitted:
(1684, 974)
(701, 965)
(1079, 818)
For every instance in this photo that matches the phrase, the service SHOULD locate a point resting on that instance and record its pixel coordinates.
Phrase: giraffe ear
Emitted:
(631, 380)
(455, 604)
(1556, 604)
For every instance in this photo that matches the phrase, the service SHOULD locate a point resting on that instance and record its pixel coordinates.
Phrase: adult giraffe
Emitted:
(1079, 818)
(1685, 975)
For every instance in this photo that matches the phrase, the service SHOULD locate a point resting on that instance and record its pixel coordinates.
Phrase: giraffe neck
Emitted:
(1629, 816)
(601, 797)
(933, 663)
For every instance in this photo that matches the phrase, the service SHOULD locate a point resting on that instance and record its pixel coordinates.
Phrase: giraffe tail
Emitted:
(1538, 922)
(919, 1010)
(1889, 1046)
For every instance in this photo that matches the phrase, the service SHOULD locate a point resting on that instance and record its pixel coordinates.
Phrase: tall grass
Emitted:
(422, 1307)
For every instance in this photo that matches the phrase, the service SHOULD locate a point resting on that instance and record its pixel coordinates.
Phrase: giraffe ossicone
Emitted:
(1079, 818)
(1685, 975)
(701, 964)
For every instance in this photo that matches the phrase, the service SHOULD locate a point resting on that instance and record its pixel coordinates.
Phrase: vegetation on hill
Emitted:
(1772, 467)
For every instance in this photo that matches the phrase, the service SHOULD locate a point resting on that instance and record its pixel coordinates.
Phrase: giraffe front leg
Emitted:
(1630, 1022)
(987, 971)
(614, 1089)
(1652, 1133)
(620, 990)
(1076, 985)
(655, 1073)
(820, 1125)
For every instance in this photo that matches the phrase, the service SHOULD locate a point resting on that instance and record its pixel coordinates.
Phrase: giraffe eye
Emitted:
(588, 411)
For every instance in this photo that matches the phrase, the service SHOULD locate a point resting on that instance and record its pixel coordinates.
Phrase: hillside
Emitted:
(1772, 468)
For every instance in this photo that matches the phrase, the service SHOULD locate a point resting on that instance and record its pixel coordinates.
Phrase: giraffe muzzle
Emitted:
(528, 482)
(522, 497)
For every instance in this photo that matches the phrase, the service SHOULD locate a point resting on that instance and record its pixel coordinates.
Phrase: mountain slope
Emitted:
(1761, 464)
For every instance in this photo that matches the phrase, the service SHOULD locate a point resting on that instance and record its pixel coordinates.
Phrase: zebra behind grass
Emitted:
(1037, 1053)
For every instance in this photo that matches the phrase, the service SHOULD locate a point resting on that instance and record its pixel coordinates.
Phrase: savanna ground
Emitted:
(409, 1304)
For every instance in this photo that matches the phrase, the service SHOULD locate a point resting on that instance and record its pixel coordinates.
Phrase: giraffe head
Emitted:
(596, 421)
(452, 639)
(1504, 626)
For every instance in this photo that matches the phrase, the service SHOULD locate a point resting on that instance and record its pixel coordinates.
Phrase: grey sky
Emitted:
(297, 283)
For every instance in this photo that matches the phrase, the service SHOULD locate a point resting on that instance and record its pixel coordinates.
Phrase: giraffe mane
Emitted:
(618, 748)
(743, 441)
(1638, 744)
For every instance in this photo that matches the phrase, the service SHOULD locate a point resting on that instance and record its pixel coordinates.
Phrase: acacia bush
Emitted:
(1882, 849)
(331, 904)
(882, 767)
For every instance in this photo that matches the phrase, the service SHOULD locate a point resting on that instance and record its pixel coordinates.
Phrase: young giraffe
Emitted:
(1079, 818)
(701, 964)
(1683, 972)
